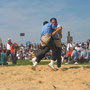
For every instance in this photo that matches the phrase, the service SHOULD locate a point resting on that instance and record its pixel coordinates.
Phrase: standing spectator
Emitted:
(88, 43)
(8, 47)
(1, 47)
(13, 53)
(3, 57)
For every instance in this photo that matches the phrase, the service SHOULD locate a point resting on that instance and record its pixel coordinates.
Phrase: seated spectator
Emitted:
(69, 45)
(68, 55)
(74, 56)
(77, 47)
(84, 55)
(88, 55)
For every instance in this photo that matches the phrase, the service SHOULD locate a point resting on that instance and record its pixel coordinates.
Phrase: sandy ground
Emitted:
(24, 78)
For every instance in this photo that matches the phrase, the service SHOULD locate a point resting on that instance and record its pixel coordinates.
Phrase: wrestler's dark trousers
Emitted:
(51, 46)
(57, 56)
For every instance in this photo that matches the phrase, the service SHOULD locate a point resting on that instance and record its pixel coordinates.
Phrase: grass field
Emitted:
(26, 62)
(29, 62)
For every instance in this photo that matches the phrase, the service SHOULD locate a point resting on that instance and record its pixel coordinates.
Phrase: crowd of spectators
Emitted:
(76, 52)
(71, 53)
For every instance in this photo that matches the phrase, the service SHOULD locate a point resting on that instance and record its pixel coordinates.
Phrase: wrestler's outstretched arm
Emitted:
(57, 30)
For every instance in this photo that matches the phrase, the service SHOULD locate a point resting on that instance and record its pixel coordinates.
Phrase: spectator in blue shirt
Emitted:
(84, 55)
(74, 54)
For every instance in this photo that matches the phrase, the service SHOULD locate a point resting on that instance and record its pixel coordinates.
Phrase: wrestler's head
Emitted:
(45, 22)
(53, 21)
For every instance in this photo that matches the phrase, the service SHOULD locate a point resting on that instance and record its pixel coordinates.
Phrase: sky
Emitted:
(27, 16)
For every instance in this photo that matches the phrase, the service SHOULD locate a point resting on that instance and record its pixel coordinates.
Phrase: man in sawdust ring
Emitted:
(49, 41)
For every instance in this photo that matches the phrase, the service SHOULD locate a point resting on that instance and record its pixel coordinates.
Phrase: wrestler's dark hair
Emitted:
(45, 22)
(53, 19)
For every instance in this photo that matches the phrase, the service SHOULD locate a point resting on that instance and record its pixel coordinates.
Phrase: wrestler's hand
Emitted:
(57, 30)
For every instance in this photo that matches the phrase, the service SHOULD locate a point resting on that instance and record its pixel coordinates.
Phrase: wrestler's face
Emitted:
(54, 22)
